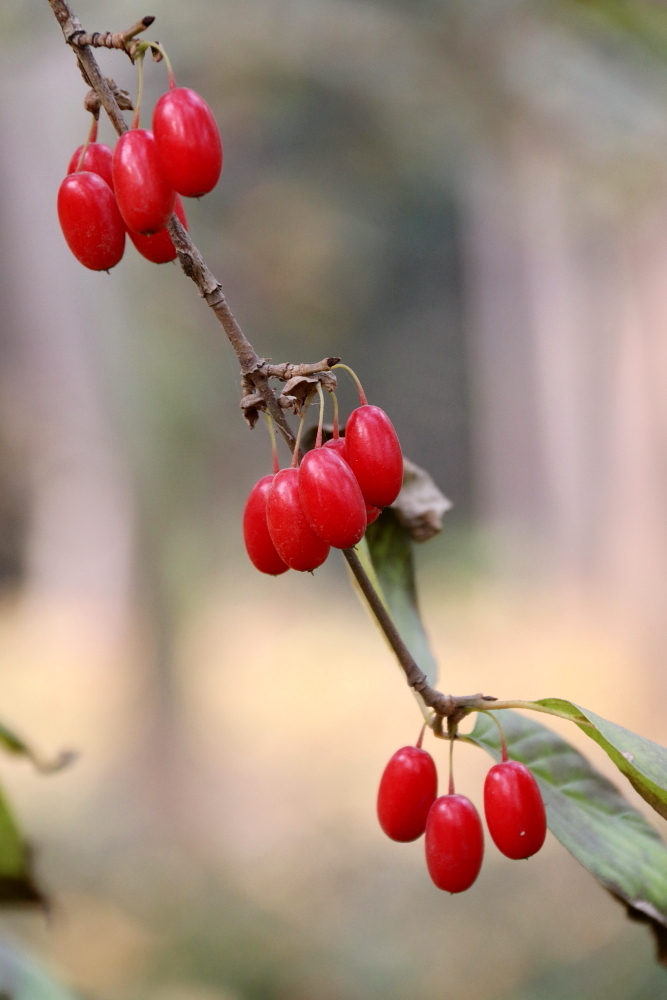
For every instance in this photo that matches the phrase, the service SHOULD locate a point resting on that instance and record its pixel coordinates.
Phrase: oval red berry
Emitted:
(294, 539)
(331, 498)
(373, 452)
(97, 160)
(159, 248)
(454, 843)
(145, 197)
(408, 788)
(188, 141)
(514, 810)
(90, 221)
(260, 548)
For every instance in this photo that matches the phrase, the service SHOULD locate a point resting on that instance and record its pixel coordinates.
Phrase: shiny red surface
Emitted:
(454, 843)
(145, 197)
(188, 141)
(294, 539)
(90, 221)
(373, 452)
(331, 498)
(260, 548)
(159, 248)
(97, 160)
(408, 788)
(514, 810)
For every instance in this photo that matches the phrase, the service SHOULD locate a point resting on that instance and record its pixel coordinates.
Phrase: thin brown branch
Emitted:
(111, 40)
(255, 371)
(446, 705)
(190, 259)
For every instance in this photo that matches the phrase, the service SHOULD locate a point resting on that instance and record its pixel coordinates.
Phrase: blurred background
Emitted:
(467, 201)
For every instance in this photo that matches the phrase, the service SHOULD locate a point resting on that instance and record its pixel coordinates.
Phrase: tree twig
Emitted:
(256, 371)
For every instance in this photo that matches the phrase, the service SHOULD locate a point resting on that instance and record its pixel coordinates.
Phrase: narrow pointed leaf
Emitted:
(590, 817)
(643, 762)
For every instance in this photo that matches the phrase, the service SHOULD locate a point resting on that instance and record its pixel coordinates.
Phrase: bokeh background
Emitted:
(467, 200)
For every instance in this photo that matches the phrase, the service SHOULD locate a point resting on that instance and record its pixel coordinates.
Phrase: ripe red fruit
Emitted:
(258, 542)
(145, 197)
(331, 498)
(294, 539)
(514, 810)
(159, 248)
(90, 220)
(408, 788)
(188, 142)
(97, 160)
(373, 452)
(454, 843)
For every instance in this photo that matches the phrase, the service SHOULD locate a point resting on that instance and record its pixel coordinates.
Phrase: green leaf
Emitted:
(590, 817)
(643, 762)
(17, 883)
(387, 551)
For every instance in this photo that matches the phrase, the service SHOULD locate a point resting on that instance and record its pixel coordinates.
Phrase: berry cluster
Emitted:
(293, 517)
(137, 187)
(408, 806)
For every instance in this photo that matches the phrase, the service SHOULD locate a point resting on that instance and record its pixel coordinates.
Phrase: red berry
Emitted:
(454, 843)
(145, 197)
(294, 539)
(90, 220)
(97, 160)
(408, 788)
(373, 451)
(159, 248)
(372, 514)
(258, 542)
(336, 444)
(188, 142)
(331, 498)
(514, 810)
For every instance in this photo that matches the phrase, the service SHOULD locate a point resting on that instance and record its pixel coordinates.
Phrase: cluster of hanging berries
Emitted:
(136, 188)
(293, 517)
(408, 806)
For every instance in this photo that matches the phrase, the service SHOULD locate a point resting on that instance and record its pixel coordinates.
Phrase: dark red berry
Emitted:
(294, 539)
(373, 452)
(159, 248)
(408, 788)
(145, 197)
(97, 160)
(514, 810)
(90, 220)
(331, 498)
(188, 141)
(258, 542)
(372, 514)
(454, 843)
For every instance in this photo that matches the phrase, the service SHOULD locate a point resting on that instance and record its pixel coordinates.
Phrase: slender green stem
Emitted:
(451, 731)
(274, 446)
(295, 454)
(336, 431)
(362, 395)
(318, 439)
(503, 741)
(140, 85)
(163, 52)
